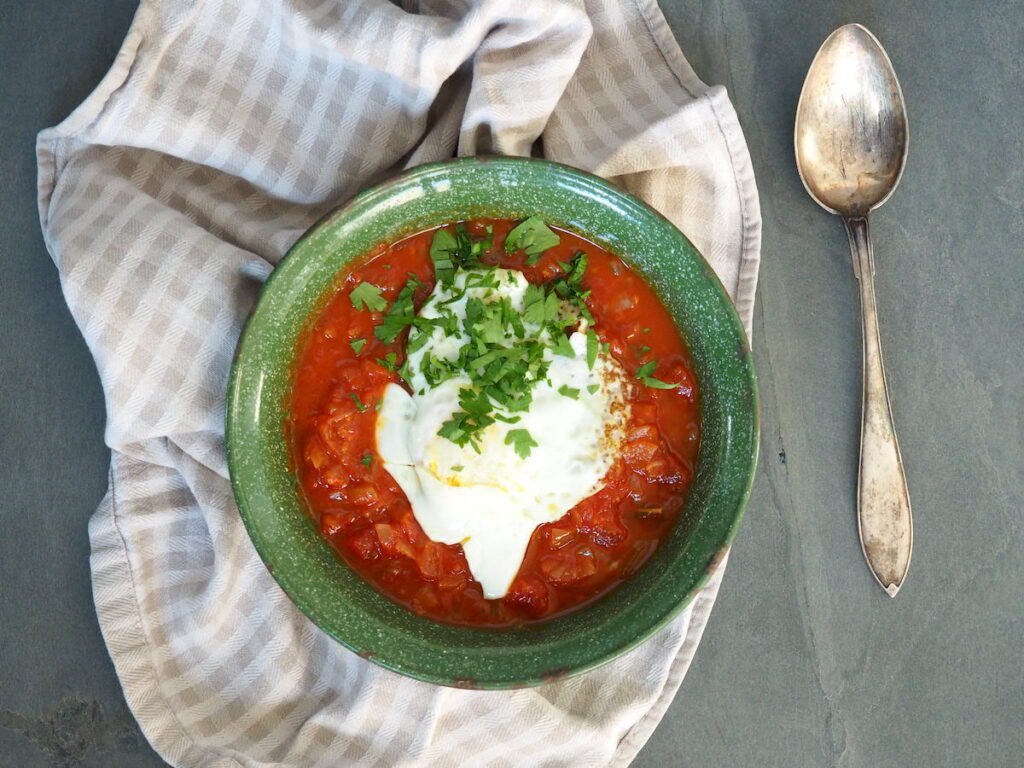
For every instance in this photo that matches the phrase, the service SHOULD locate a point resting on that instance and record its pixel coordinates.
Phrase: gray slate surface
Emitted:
(805, 661)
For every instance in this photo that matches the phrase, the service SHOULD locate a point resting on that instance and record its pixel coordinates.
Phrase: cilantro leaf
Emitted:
(357, 345)
(570, 287)
(367, 459)
(416, 341)
(402, 312)
(533, 305)
(562, 346)
(646, 369)
(473, 402)
(653, 383)
(442, 246)
(569, 392)
(521, 440)
(577, 267)
(531, 236)
(406, 372)
(551, 307)
(592, 388)
(389, 361)
(644, 374)
(367, 296)
(359, 403)
(469, 250)
(592, 345)
(454, 429)
(455, 250)
(481, 279)
(475, 416)
(491, 327)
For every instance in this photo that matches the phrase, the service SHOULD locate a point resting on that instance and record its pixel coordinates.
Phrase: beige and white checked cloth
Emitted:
(224, 129)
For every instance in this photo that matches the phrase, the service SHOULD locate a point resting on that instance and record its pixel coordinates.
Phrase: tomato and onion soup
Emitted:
(493, 422)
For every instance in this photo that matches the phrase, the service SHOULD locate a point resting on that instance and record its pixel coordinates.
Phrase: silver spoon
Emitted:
(851, 146)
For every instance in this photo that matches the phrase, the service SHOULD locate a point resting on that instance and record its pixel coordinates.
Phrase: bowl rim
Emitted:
(367, 198)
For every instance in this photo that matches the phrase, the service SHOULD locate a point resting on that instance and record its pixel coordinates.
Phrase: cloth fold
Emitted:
(223, 130)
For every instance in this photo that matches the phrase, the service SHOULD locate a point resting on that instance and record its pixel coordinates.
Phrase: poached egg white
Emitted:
(490, 501)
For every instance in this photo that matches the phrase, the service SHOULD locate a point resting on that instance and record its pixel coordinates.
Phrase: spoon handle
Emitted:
(883, 503)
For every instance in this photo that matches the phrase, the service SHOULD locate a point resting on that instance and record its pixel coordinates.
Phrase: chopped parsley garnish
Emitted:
(536, 307)
(592, 388)
(473, 331)
(643, 350)
(481, 280)
(531, 236)
(503, 374)
(455, 250)
(367, 296)
(416, 342)
(563, 347)
(644, 374)
(402, 313)
(442, 247)
(357, 345)
(359, 403)
(521, 440)
(592, 345)
(367, 459)
(570, 287)
(458, 468)
(654, 383)
(574, 270)
(475, 416)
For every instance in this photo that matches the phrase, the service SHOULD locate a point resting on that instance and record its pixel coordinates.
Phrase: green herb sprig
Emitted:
(533, 237)
(368, 296)
(644, 374)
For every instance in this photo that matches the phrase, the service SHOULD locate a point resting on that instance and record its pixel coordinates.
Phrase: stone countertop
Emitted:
(805, 661)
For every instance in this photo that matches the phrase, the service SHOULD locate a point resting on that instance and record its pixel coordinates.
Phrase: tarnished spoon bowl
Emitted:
(851, 125)
(851, 148)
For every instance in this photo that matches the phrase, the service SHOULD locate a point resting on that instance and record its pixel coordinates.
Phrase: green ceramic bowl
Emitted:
(334, 596)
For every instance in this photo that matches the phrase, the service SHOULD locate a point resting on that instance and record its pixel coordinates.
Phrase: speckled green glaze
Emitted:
(336, 598)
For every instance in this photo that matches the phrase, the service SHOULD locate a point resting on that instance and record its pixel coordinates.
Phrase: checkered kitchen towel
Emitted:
(224, 129)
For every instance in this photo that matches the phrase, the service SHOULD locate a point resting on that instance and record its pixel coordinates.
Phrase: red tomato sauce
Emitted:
(363, 513)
